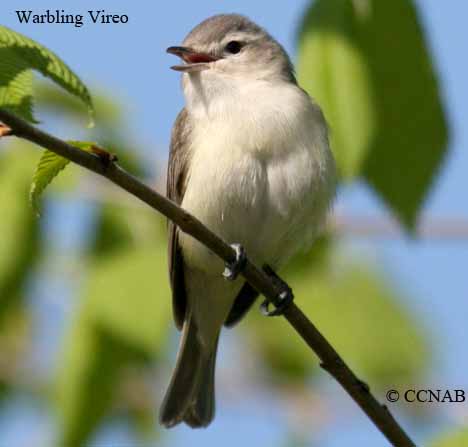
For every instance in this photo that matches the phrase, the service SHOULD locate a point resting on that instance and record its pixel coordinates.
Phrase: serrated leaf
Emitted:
(49, 166)
(16, 88)
(380, 94)
(18, 56)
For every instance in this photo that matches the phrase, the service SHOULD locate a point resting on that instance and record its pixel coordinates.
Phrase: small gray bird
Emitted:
(250, 159)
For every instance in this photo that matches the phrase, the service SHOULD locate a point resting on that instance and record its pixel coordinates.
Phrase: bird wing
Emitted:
(176, 185)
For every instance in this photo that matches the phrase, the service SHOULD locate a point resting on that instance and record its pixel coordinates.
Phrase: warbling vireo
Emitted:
(250, 159)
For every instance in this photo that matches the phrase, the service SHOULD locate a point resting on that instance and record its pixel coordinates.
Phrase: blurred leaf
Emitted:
(335, 72)
(362, 318)
(293, 439)
(19, 55)
(19, 247)
(113, 232)
(129, 294)
(90, 379)
(124, 225)
(380, 94)
(128, 153)
(48, 168)
(457, 438)
(319, 258)
(125, 319)
(15, 338)
(411, 143)
(108, 111)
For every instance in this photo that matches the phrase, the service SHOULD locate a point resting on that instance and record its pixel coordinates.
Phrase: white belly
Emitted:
(264, 183)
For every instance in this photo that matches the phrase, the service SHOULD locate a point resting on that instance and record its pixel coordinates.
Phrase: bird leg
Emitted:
(232, 269)
(282, 301)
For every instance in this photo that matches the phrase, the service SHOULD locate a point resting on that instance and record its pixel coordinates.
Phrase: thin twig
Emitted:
(434, 229)
(330, 360)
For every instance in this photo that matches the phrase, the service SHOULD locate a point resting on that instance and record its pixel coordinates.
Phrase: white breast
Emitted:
(261, 173)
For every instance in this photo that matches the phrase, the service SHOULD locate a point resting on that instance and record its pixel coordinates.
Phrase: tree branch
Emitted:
(330, 360)
(433, 229)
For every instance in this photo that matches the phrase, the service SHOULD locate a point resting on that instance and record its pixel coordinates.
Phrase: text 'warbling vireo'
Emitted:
(250, 159)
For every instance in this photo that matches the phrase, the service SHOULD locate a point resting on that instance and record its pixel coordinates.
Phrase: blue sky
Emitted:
(130, 60)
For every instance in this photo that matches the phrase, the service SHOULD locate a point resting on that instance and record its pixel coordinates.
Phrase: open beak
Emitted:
(194, 61)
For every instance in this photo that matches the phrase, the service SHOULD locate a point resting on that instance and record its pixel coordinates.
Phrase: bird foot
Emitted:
(232, 269)
(282, 301)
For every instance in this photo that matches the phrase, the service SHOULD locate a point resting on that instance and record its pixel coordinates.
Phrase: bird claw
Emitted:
(282, 301)
(232, 269)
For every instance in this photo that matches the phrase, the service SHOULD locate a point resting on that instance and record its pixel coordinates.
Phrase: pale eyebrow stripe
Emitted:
(241, 36)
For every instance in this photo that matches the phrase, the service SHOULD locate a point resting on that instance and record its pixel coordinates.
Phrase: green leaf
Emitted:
(124, 322)
(113, 232)
(334, 71)
(412, 140)
(109, 112)
(112, 132)
(18, 56)
(129, 295)
(346, 297)
(16, 85)
(15, 335)
(49, 166)
(367, 63)
(457, 438)
(19, 247)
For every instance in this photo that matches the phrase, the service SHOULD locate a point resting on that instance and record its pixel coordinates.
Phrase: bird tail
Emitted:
(191, 396)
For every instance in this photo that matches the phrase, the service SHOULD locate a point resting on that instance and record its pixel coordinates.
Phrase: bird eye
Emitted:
(233, 47)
